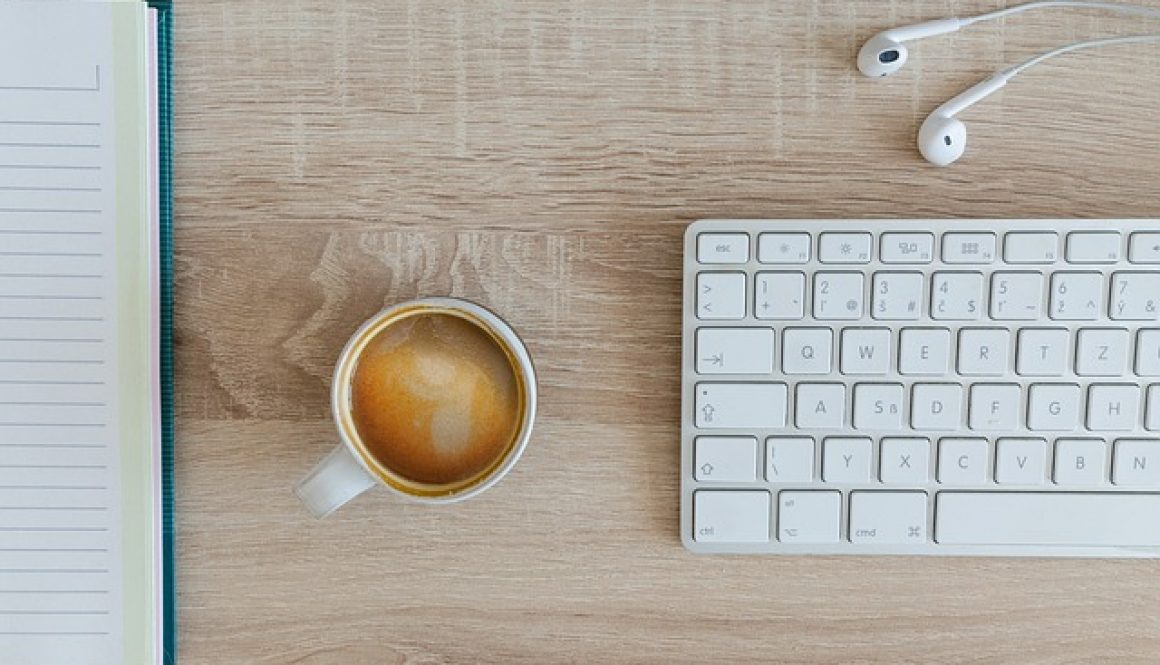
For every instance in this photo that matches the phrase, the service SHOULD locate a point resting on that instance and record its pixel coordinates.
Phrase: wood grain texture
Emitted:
(543, 158)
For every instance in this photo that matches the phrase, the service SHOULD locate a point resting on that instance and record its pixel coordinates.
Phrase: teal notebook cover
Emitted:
(165, 130)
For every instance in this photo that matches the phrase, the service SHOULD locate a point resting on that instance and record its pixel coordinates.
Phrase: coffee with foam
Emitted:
(436, 399)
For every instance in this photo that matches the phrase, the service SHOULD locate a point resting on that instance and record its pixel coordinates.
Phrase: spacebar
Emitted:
(1047, 518)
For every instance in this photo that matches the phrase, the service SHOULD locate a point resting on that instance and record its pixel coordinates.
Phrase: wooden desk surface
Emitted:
(543, 158)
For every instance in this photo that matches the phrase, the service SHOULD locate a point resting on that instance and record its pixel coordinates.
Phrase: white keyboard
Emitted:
(979, 387)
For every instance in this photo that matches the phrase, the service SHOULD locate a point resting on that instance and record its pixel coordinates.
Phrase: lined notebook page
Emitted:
(72, 509)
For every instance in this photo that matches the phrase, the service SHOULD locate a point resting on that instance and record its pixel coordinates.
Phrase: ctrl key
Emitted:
(731, 516)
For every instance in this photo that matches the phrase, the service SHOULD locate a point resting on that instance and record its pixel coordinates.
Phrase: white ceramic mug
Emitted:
(350, 469)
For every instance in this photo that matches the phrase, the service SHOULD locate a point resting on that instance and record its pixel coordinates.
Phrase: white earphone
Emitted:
(885, 53)
(942, 139)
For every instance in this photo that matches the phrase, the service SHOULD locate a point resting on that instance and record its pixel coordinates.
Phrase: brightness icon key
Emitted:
(845, 247)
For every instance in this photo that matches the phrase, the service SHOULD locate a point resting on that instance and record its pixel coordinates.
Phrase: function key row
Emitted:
(964, 248)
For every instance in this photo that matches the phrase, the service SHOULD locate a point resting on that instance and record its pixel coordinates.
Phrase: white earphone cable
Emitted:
(1077, 46)
(1134, 10)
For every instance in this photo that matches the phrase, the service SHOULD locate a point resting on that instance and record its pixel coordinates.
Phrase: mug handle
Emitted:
(337, 479)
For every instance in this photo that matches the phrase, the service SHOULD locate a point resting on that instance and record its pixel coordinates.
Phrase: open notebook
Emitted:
(83, 203)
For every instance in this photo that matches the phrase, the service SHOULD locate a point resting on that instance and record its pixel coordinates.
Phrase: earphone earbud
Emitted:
(885, 53)
(942, 139)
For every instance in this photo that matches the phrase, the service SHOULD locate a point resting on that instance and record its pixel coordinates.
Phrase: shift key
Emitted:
(740, 405)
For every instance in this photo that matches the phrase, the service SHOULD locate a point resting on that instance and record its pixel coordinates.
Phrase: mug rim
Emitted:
(477, 315)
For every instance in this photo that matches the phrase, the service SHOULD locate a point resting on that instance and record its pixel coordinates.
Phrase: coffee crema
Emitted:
(435, 399)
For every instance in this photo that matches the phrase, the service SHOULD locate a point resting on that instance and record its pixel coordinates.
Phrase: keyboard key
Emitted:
(741, 405)
(962, 461)
(721, 295)
(1101, 352)
(978, 248)
(731, 516)
(838, 295)
(878, 406)
(1148, 352)
(1053, 407)
(994, 407)
(1042, 518)
(807, 350)
(888, 518)
(820, 405)
(1137, 463)
(725, 459)
(844, 248)
(865, 351)
(723, 248)
(924, 351)
(1080, 462)
(1042, 352)
(936, 406)
(734, 351)
(1093, 247)
(1134, 296)
(1144, 247)
(1020, 461)
(783, 248)
(809, 517)
(1113, 408)
(956, 296)
(1152, 415)
(983, 351)
(789, 459)
(1076, 296)
(1016, 296)
(904, 460)
(846, 459)
(780, 295)
(907, 248)
(1037, 247)
(897, 296)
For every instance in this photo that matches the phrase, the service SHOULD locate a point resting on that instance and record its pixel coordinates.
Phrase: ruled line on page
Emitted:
(52, 318)
(52, 424)
(53, 529)
(29, 296)
(26, 275)
(52, 254)
(63, 211)
(51, 167)
(51, 123)
(89, 591)
(37, 232)
(55, 612)
(52, 445)
(10, 144)
(85, 488)
(55, 633)
(54, 549)
(54, 361)
(13, 188)
(95, 87)
(52, 507)
(77, 340)
(79, 571)
(50, 466)
(38, 382)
